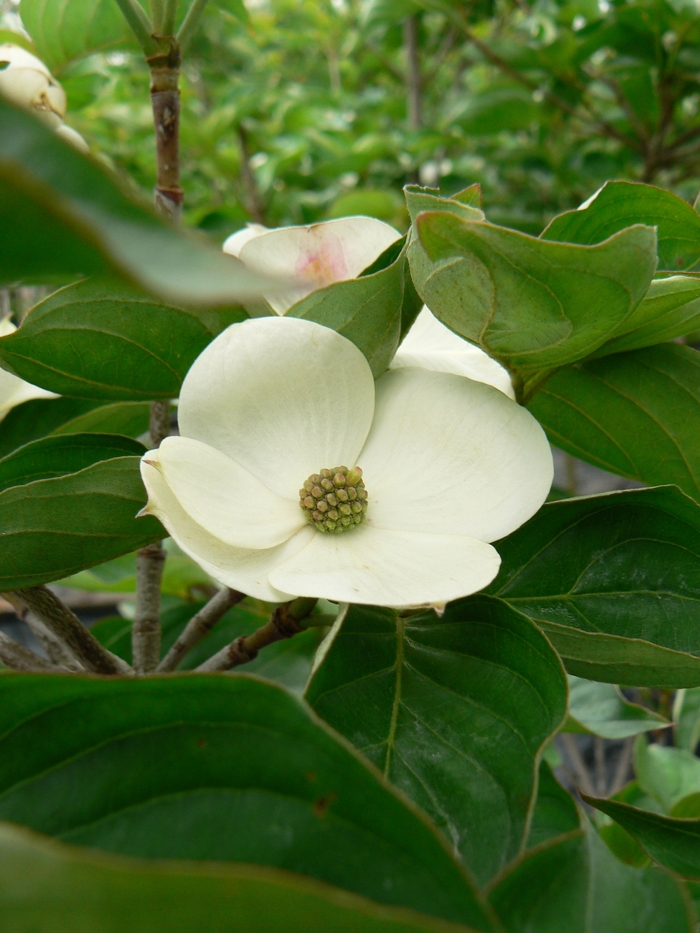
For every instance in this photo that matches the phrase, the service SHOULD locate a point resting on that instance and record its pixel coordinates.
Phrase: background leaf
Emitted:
(454, 710)
(228, 768)
(614, 582)
(666, 774)
(600, 709)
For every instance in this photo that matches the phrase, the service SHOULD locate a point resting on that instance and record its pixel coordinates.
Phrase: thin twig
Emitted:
(414, 91)
(577, 763)
(285, 623)
(622, 770)
(139, 24)
(254, 205)
(169, 17)
(599, 756)
(199, 627)
(190, 22)
(55, 649)
(66, 626)
(146, 632)
(19, 658)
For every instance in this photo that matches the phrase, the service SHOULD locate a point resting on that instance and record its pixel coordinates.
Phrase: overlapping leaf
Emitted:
(614, 582)
(217, 768)
(600, 709)
(454, 710)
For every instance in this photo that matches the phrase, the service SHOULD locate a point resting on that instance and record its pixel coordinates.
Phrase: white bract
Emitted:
(311, 257)
(449, 465)
(13, 390)
(431, 345)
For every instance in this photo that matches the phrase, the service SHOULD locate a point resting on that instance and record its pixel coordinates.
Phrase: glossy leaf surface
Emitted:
(227, 768)
(101, 339)
(614, 582)
(49, 887)
(529, 303)
(635, 414)
(454, 710)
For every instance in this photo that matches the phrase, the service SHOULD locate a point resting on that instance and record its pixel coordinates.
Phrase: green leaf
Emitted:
(68, 30)
(41, 417)
(600, 709)
(555, 812)
(50, 887)
(574, 883)
(102, 339)
(620, 204)
(613, 581)
(235, 8)
(419, 694)
(223, 768)
(670, 309)
(666, 774)
(531, 304)
(366, 310)
(53, 527)
(634, 414)
(71, 218)
(57, 456)
(686, 713)
(673, 843)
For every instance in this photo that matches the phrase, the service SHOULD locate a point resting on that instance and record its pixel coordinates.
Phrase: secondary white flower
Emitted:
(13, 390)
(448, 464)
(27, 82)
(312, 257)
(431, 345)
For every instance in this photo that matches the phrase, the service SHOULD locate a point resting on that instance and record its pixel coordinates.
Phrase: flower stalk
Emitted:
(199, 627)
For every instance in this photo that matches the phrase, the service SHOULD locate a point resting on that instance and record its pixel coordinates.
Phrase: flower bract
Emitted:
(449, 465)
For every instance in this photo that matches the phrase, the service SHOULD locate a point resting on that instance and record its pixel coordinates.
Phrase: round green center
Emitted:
(334, 500)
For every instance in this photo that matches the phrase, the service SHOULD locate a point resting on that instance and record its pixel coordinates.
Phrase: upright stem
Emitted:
(414, 90)
(165, 100)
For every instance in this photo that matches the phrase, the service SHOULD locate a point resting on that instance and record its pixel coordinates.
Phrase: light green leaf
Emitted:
(235, 8)
(614, 582)
(634, 414)
(575, 884)
(49, 887)
(555, 812)
(667, 774)
(620, 204)
(532, 304)
(41, 417)
(686, 712)
(104, 339)
(222, 768)
(53, 527)
(600, 709)
(671, 308)
(419, 694)
(673, 843)
(71, 218)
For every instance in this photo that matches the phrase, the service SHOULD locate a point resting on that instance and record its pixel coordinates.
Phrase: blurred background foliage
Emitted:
(303, 110)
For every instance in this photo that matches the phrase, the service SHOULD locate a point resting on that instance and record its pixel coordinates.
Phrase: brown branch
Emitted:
(19, 658)
(165, 101)
(254, 206)
(199, 627)
(55, 649)
(285, 623)
(577, 763)
(414, 88)
(68, 628)
(146, 633)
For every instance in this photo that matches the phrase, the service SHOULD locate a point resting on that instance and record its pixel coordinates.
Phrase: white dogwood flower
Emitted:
(294, 477)
(27, 82)
(431, 345)
(311, 257)
(13, 390)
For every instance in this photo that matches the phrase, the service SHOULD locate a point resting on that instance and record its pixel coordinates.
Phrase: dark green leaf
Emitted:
(600, 709)
(104, 339)
(49, 887)
(71, 218)
(57, 456)
(635, 414)
(673, 843)
(226, 768)
(53, 527)
(532, 304)
(555, 812)
(575, 884)
(620, 204)
(41, 417)
(614, 582)
(367, 310)
(419, 695)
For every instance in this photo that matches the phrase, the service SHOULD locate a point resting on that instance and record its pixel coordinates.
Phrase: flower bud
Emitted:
(27, 82)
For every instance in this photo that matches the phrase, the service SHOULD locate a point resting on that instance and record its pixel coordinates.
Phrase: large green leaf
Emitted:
(600, 709)
(620, 204)
(673, 843)
(53, 527)
(73, 28)
(669, 309)
(454, 710)
(104, 339)
(218, 767)
(50, 887)
(575, 884)
(366, 310)
(686, 713)
(70, 217)
(532, 304)
(614, 582)
(635, 414)
(42, 417)
(667, 774)
(555, 812)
